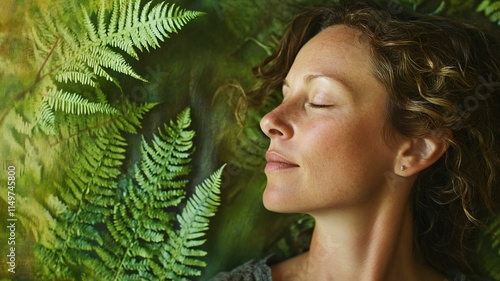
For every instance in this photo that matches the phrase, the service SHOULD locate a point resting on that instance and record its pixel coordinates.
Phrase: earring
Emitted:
(403, 167)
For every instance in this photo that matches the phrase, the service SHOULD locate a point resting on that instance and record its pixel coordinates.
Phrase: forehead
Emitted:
(338, 49)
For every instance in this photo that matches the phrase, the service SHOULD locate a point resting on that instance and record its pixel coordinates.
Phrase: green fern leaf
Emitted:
(76, 131)
(23, 126)
(138, 224)
(54, 100)
(106, 228)
(85, 203)
(31, 215)
(491, 253)
(82, 54)
(116, 229)
(75, 104)
(45, 118)
(179, 256)
(168, 158)
(491, 9)
(78, 73)
(90, 46)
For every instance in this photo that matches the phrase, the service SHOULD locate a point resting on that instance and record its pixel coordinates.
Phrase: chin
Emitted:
(276, 201)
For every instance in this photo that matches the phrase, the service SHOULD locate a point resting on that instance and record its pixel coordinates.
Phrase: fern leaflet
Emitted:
(45, 118)
(71, 103)
(491, 9)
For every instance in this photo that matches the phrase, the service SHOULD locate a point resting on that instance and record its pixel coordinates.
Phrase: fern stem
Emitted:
(46, 59)
(122, 262)
(38, 78)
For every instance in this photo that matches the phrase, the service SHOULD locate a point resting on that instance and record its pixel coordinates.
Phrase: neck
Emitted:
(372, 243)
(375, 247)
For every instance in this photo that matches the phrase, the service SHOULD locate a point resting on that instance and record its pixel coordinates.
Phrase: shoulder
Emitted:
(261, 271)
(250, 271)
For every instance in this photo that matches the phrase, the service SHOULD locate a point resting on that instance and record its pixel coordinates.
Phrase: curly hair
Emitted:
(442, 79)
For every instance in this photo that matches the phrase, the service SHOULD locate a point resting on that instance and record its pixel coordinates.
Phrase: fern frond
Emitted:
(54, 100)
(83, 51)
(105, 228)
(77, 131)
(491, 255)
(85, 203)
(55, 206)
(45, 118)
(32, 163)
(116, 229)
(78, 73)
(75, 104)
(133, 114)
(46, 269)
(491, 9)
(140, 222)
(10, 144)
(32, 217)
(148, 28)
(43, 36)
(168, 158)
(88, 48)
(119, 228)
(23, 126)
(179, 255)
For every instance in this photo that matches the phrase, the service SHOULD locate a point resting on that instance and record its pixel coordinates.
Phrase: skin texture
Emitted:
(328, 158)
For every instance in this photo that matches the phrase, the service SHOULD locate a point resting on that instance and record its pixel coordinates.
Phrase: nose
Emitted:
(276, 124)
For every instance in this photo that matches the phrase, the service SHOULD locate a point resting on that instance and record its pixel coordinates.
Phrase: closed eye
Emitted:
(313, 105)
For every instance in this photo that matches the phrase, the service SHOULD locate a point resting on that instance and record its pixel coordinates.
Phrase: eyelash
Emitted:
(312, 105)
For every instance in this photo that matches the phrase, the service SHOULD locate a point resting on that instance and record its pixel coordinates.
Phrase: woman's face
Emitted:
(327, 148)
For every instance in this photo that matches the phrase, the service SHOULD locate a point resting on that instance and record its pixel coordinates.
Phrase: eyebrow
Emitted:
(311, 77)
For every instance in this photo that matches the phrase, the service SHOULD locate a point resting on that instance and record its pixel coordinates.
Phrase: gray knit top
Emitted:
(261, 271)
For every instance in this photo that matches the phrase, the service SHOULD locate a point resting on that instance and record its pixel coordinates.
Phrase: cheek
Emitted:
(347, 154)
(330, 144)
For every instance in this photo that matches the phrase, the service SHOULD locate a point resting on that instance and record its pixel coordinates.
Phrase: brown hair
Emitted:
(442, 78)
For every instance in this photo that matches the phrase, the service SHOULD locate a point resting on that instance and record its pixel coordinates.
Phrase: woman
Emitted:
(386, 136)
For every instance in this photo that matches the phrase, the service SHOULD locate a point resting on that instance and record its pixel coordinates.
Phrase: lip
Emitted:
(276, 162)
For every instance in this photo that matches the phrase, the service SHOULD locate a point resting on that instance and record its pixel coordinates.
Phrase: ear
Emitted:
(417, 154)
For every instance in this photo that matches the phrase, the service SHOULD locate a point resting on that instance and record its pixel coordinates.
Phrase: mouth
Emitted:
(276, 162)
